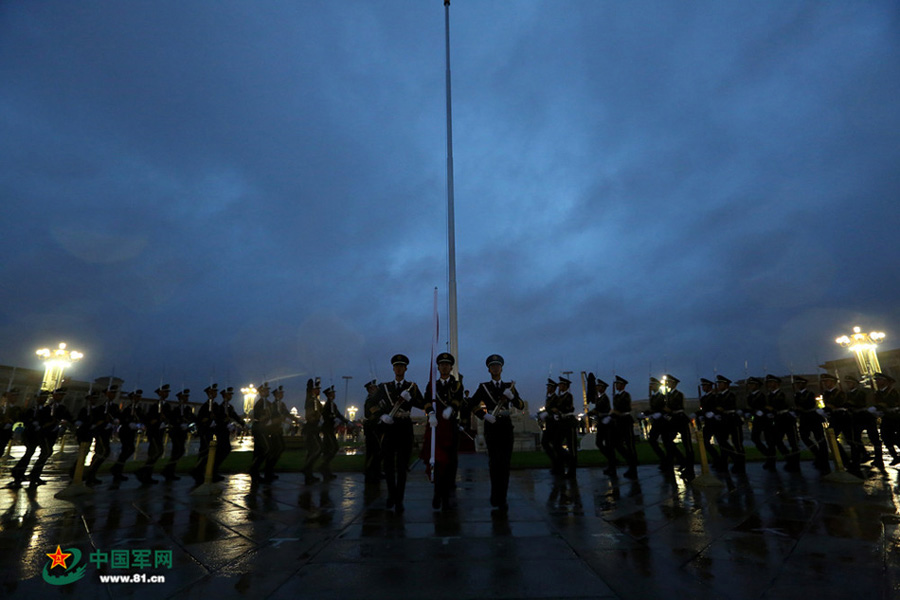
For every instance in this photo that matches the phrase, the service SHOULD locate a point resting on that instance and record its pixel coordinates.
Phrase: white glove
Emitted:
(759, 413)
(710, 415)
(508, 393)
(163, 425)
(656, 415)
(212, 424)
(820, 411)
(110, 426)
(432, 420)
(387, 419)
(79, 423)
(606, 420)
(490, 418)
(133, 425)
(184, 427)
(448, 412)
(405, 395)
(543, 415)
(872, 409)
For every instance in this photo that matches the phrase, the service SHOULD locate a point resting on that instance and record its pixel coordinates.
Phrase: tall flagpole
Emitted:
(451, 230)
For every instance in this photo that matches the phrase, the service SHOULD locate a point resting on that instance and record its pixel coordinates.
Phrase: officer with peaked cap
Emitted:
(566, 438)
(312, 429)
(549, 418)
(708, 416)
(840, 421)
(37, 421)
(205, 431)
(155, 424)
(679, 424)
(443, 405)
(225, 421)
(373, 468)
(865, 419)
(104, 420)
(396, 398)
(887, 399)
(811, 423)
(180, 417)
(762, 432)
(785, 424)
(658, 424)
(601, 414)
(259, 428)
(624, 428)
(493, 401)
(732, 427)
(131, 421)
(279, 414)
(332, 418)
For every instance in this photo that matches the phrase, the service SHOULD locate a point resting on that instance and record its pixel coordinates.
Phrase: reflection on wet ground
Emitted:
(763, 535)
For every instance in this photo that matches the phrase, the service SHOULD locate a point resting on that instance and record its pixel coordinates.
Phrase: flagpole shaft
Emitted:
(451, 229)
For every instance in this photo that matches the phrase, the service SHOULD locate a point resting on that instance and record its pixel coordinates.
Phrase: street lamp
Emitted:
(351, 412)
(863, 345)
(347, 379)
(249, 393)
(55, 364)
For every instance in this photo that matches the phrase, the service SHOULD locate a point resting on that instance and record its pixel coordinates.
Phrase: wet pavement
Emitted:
(763, 535)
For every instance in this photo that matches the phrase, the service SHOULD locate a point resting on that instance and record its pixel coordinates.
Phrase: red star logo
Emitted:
(59, 558)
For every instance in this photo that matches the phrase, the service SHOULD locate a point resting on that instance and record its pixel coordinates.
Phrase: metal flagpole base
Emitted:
(707, 480)
(73, 490)
(843, 477)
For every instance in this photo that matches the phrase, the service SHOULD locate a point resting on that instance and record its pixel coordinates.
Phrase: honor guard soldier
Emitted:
(493, 400)
(370, 426)
(624, 428)
(840, 420)
(732, 440)
(865, 419)
(549, 418)
(181, 419)
(443, 406)
(708, 416)
(811, 422)
(312, 429)
(84, 426)
(262, 420)
(104, 420)
(762, 432)
(601, 413)
(567, 436)
(131, 423)
(887, 399)
(155, 425)
(396, 399)
(331, 420)
(10, 413)
(226, 422)
(785, 424)
(679, 424)
(37, 422)
(658, 423)
(205, 422)
(279, 414)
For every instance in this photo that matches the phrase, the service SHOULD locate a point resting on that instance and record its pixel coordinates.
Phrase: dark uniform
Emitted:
(679, 424)
(865, 419)
(623, 423)
(603, 419)
(443, 409)
(785, 424)
(492, 402)
(840, 420)
(155, 425)
(709, 418)
(104, 419)
(311, 429)
(566, 437)
(206, 422)
(731, 440)
(84, 433)
(180, 417)
(331, 419)
(887, 400)
(396, 399)
(225, 421)
(131, 422)
(260, 424)
(762, 431)
(278, 414)
(811, 422)
(38, 422)
(549, 418)
(374, 461)
(658, 423)
(10, 414)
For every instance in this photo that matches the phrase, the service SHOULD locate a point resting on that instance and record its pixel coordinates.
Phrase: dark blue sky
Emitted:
(258, 190)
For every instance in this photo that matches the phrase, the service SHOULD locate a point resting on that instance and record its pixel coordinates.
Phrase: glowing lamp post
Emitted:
(249, 398)
(55, 364)
(863, 346)
(351, 412)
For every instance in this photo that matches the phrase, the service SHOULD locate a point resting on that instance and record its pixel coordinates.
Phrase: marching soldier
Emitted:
(604, 424)
(206, 422)
(811, 422)
(865, 418)
(785, 424)
(658, 424)
(887, 399)
(37, 421)
(180, 418)
(262, 420)
(311, 429)
(104, 419)
(493, 400)
(278, 412)
(396, 399)
(567, 435)
(155, 425)
(443, 406)
(83, 426)
(131, 422)
(840, 419)
(549, 417)
(331, 418)
(763, 425)
(9, 415)
(732, 426)
(679, 424)
(226, 422)
(624, 428)
(370, 421)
